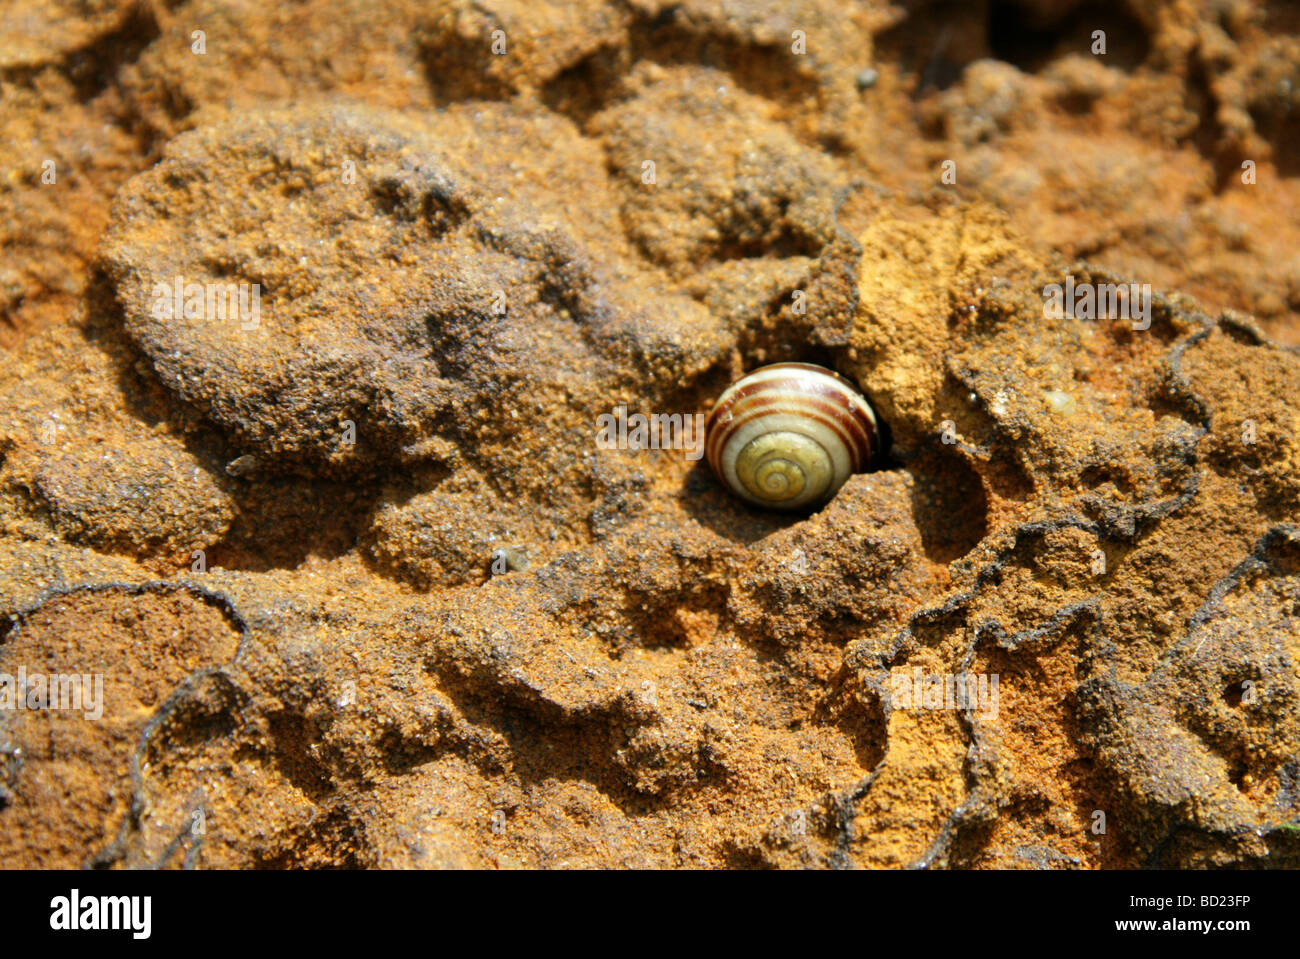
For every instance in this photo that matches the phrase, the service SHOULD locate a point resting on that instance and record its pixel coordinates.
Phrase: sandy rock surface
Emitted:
(363, 590)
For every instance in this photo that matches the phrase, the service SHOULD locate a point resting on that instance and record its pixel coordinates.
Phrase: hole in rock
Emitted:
(1232, 694)
(949, 505)
(1031, 41)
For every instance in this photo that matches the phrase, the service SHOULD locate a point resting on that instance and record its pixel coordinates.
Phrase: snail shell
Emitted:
(787, 436)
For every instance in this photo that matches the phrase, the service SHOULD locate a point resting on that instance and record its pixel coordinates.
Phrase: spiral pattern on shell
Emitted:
(788, 435)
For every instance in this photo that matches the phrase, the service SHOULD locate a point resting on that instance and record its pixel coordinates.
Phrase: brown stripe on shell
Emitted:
(806, 386)
(838, 415)
(840, 399)
(858, 443)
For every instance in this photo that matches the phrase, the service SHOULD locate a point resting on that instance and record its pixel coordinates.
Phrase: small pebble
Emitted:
(508, 559)
(867, 78)
(242, 466)
(1059, 402)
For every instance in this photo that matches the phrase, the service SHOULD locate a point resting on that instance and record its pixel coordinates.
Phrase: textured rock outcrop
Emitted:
(272, 533)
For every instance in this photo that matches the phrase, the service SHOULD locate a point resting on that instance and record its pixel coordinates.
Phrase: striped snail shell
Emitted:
(788, 435)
